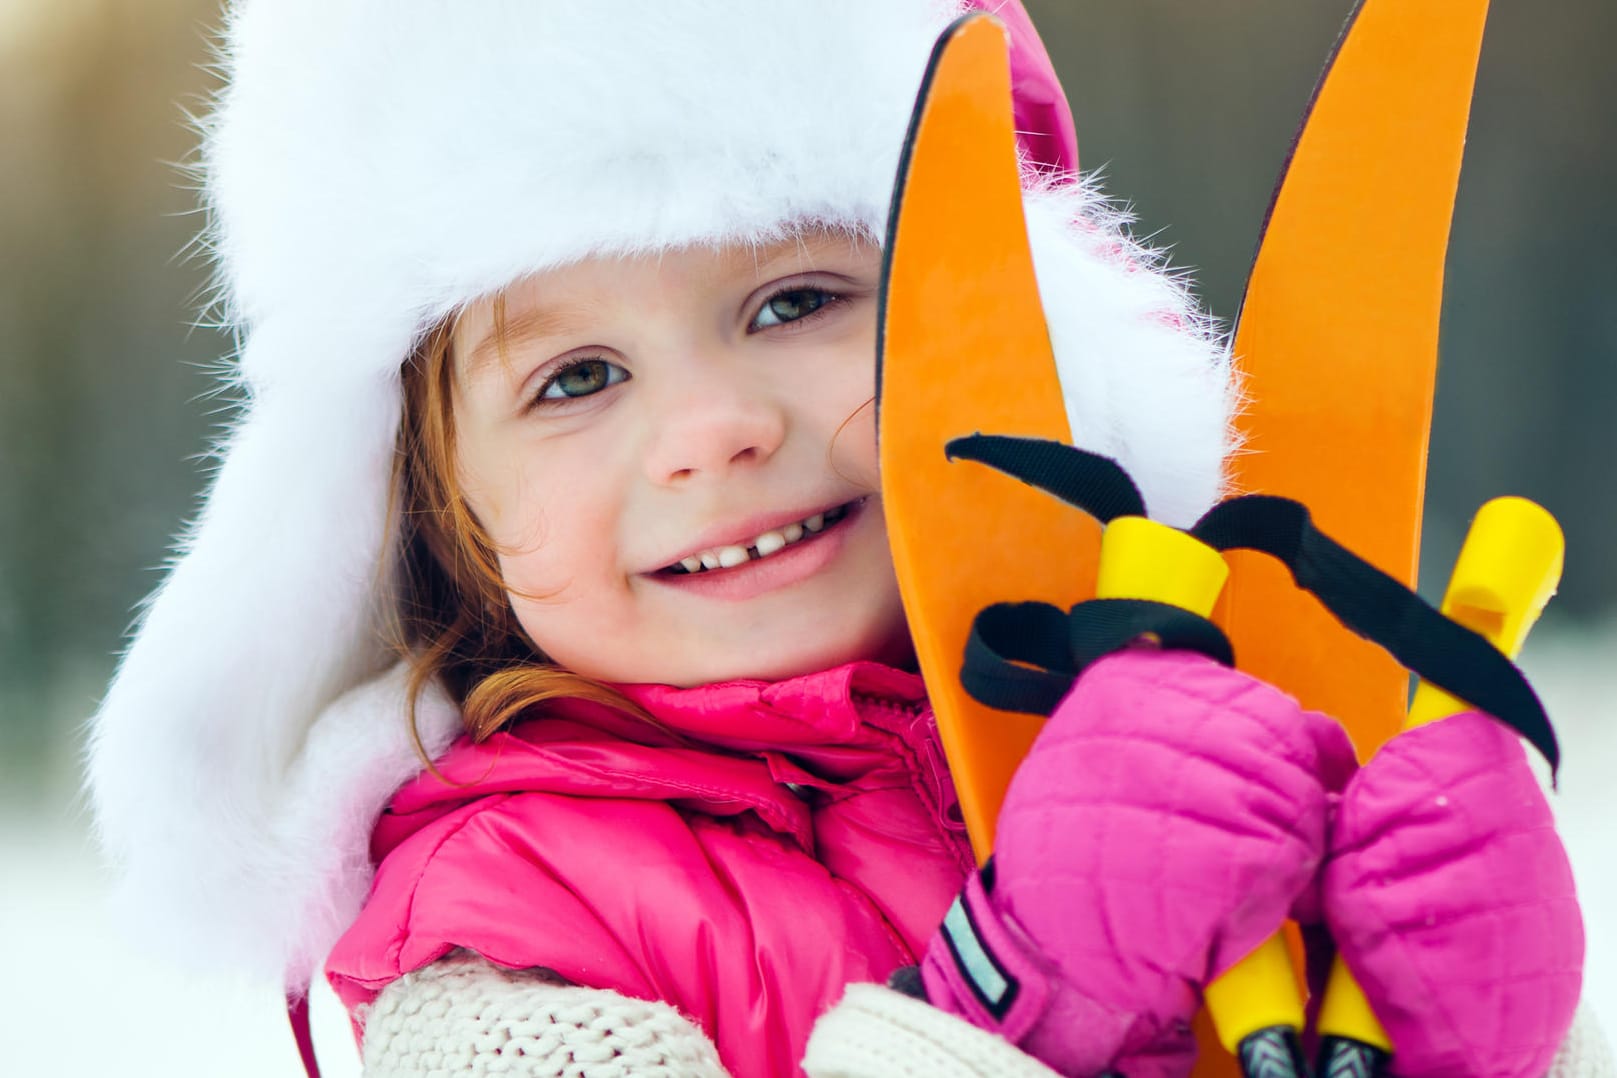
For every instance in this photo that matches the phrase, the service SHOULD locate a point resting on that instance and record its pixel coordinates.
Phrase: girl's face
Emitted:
(654, 415)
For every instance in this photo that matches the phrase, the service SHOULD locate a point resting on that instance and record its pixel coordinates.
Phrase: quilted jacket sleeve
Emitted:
(719, 918)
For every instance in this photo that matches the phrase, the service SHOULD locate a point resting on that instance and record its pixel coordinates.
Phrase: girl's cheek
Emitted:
(513, 500)
(853, 449)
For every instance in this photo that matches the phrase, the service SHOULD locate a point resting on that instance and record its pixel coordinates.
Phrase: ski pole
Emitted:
(1507, 571)
(1256, 1005)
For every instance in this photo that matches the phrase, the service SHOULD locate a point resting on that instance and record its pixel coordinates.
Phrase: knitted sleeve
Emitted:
(1585, 1052)
(463, 1016)
(876, 1032)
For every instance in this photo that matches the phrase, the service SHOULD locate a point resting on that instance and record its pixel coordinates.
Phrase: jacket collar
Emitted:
(725, 748)
(822, 708)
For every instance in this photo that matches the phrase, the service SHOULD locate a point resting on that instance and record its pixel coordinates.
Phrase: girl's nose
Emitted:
(712, 426)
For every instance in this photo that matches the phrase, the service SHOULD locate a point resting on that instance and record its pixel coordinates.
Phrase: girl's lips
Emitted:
(743, 533)
(797, 562)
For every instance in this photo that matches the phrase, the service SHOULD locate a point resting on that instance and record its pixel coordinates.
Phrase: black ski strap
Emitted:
(1383, 611)
(1098, 627)
(1098, 485)
(1016, 667)
(1017, 658)
(1024, 657)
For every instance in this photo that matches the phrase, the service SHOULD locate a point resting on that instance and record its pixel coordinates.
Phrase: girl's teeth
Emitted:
(771, 542)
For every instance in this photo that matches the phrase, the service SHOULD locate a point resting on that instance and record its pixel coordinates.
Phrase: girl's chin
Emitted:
(765, 657)
(755, 663)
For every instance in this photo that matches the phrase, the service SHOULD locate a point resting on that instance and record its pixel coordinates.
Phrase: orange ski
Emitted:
(960, 322)
(1337, 341)
(1336, 344)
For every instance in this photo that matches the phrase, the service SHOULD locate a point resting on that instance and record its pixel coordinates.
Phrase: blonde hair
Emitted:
(455, 618)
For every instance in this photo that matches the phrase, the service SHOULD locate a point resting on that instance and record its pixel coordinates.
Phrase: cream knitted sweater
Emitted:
(462, 1016)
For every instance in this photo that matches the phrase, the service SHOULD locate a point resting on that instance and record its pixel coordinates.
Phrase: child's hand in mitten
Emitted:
(1450, 897)
(1166, 821)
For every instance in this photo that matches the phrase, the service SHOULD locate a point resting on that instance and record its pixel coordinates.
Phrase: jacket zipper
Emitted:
(936, 782)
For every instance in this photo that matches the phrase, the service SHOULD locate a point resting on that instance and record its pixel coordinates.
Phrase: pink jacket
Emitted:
(769, 845)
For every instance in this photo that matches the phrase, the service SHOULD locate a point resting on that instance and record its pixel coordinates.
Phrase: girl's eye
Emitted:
(581, 379)
(789, 306)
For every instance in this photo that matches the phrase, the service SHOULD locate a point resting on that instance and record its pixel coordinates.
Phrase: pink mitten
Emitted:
(1167, 819)
(1450, 897)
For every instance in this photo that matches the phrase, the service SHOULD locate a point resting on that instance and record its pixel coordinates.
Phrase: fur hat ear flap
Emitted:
(266, 617)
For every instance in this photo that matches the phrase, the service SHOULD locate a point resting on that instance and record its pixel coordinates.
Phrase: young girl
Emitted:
(557, 469)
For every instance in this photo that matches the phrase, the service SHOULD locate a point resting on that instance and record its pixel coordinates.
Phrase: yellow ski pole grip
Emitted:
(1142, 559)
(1508, 568)
(1506, 574)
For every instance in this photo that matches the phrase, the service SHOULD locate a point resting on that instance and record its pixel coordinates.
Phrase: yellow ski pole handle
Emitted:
(1507, 571)
(1142, 559)
(1506, 574)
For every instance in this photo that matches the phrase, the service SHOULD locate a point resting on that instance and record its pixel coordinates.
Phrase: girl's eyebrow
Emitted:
(807, 251)
(532, 324)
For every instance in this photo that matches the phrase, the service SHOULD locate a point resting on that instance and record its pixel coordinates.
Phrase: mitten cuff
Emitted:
(977, 967)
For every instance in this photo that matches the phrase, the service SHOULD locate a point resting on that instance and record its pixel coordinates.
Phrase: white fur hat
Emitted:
(371, 167)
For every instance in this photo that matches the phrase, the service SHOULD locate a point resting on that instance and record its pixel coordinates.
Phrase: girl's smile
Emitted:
(745, 569)
(674, 456)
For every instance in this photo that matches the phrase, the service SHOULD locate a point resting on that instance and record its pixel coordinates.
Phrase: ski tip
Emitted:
(972, 44)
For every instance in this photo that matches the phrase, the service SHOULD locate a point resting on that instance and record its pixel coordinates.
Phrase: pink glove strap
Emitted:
(975, 967)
